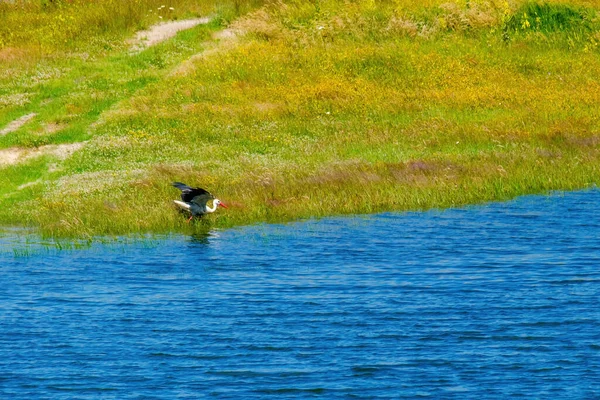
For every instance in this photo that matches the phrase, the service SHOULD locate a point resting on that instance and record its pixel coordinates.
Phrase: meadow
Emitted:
(291, 109)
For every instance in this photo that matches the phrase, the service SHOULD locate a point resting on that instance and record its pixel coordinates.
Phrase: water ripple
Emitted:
(494, 301)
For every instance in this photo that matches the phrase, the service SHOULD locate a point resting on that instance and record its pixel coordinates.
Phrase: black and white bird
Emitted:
(196, 200)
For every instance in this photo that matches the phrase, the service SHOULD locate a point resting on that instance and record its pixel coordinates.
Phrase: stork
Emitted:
(196, 200)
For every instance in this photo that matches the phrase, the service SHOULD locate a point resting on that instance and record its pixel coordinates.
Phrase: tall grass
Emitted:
(559, 24)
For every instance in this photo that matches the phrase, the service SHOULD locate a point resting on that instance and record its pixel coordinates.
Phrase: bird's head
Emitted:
(220, 203)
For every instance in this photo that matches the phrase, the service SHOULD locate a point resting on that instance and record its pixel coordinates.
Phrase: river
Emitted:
(499, 300)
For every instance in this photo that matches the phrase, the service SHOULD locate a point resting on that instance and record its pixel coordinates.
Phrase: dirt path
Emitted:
(225, 40)
(17, 123)
(163, 31)
(15, 155)
(141, 41)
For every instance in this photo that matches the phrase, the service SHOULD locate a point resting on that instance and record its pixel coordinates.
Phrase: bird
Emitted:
(196, 200)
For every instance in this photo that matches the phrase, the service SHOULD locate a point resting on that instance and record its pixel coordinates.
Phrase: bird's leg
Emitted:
(190, 218)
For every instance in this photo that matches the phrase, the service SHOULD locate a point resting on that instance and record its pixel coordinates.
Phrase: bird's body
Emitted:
(196, 200)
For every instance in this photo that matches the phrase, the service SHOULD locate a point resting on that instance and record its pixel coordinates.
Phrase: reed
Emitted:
(313, 109)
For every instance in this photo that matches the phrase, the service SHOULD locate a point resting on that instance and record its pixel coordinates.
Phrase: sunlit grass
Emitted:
(317, 109)
(55, 25)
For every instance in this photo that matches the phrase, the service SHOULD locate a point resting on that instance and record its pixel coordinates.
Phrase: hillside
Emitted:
(291, 109)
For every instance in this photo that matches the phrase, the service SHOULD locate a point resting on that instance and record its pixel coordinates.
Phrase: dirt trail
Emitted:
(226, 39)
(15, 155)
(17, 123)
(162, 32)
(141, 41)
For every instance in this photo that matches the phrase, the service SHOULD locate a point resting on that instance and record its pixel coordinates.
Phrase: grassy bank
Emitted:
(311, 109)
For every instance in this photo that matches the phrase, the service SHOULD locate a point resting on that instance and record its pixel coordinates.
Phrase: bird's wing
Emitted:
(181, 186)
(189, 193)
(202, 199)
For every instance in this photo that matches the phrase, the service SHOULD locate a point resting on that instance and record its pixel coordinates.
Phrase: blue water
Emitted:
(493, 301)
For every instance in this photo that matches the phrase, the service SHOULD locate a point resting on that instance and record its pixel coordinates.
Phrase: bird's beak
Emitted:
(223, 205)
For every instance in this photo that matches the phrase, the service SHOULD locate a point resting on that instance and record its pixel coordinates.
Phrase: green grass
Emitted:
(315, 109)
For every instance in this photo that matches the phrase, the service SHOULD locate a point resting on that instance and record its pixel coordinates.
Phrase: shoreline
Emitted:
(32, 235)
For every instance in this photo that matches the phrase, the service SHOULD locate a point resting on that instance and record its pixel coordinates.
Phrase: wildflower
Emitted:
(525, 22)
(171, 8)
